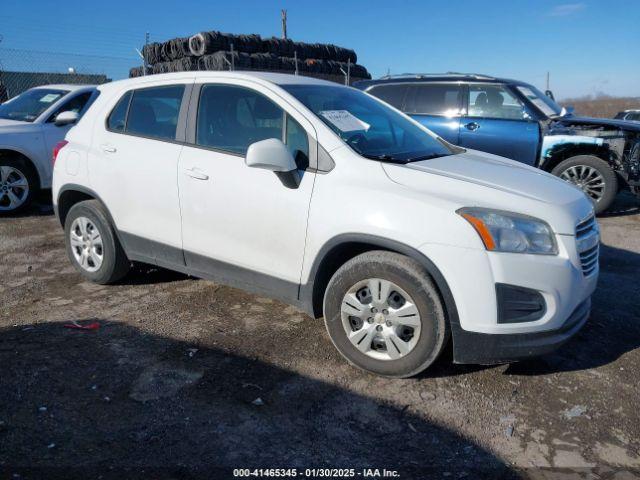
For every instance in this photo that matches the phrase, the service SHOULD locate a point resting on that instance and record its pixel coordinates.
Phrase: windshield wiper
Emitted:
(427, 157)
(383, 158)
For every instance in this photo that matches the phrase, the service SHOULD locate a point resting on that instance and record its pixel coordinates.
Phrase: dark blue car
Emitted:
(516, 120)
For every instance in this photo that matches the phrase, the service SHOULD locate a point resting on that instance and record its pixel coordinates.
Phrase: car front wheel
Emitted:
(384, 315)
(593, 176)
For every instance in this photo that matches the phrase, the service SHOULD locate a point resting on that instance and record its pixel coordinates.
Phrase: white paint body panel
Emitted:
(246, 217)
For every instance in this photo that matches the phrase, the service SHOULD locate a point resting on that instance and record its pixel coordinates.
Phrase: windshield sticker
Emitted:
(344, 120)
(49, 97)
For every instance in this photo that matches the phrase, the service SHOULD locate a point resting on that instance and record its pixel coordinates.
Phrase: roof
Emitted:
(261, 77)
(437, 77)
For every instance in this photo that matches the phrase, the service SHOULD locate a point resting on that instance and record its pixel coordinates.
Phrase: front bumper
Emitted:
(487, 349)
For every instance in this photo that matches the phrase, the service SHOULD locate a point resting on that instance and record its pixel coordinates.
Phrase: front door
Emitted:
(497, 122)
(243, 225)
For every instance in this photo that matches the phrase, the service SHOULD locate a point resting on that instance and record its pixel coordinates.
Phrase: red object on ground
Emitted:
(88, 326)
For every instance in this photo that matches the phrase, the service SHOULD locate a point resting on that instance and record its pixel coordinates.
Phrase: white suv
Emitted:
(31, 124)
(331, 200)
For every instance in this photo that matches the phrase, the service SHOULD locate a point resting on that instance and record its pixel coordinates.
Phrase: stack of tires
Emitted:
(224, 51)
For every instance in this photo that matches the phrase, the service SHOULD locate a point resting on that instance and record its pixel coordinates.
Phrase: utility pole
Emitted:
(145, 52)
(284, 23)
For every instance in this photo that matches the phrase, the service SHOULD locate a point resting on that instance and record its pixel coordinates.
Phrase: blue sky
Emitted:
(588, 46)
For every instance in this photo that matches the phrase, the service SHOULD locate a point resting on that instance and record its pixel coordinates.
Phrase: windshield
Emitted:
(545, 104)
(29, 105)
(368, 126)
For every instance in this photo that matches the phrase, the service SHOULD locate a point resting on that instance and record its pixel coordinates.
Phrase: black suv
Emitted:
(516, 120)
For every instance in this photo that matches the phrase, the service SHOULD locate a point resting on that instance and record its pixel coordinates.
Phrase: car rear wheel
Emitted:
(384, 315)
(92, 246)
(593, 176)
(17, 185)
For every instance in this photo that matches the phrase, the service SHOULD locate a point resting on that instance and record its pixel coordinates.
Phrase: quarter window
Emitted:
(118, 117)
(232, 118)
(434, 99)
(392, 94)
(494, 101)
(154, 112)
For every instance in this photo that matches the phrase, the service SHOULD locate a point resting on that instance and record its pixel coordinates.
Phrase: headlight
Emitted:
(511, 232)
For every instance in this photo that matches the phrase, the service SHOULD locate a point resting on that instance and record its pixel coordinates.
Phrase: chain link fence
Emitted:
(21, 70)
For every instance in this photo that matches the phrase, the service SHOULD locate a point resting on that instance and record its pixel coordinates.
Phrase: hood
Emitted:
(499, 174)
(605, 122)
(14, 126)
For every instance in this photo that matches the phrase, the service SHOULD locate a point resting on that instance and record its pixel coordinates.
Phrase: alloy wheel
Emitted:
(380, 319)
(86, 244)
(14, 188)
(587, 178)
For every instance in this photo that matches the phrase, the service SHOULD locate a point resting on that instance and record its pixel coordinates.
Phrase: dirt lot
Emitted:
(168, 386)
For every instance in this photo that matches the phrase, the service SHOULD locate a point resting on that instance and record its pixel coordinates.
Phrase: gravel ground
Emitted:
(184, 376)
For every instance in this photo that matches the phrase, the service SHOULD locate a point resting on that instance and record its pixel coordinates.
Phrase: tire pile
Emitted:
(217, 51)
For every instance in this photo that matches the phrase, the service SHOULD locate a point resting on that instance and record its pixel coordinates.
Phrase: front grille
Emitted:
(588, 243)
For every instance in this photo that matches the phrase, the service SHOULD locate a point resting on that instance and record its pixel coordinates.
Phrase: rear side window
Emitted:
(232, 118)
(154, 112)
(392, 94)
(434, 99)
(118, 117)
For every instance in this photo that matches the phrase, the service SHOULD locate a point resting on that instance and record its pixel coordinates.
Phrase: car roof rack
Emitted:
(446, 74)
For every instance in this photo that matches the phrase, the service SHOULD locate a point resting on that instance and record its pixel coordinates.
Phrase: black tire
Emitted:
(413, 278)
(28, 172)
(115, 264)
(603, 168)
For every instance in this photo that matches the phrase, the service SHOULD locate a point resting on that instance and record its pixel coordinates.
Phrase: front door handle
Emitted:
(108, 148)
(473, 126)
(196, 173)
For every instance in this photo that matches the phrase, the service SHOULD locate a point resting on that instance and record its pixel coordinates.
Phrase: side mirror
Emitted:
(273, 155)
(66, 118)
(549, 94)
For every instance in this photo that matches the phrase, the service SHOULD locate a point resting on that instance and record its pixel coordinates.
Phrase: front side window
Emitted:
(153, 112)
(634, 116)
(392, 94)
(434, 99)
(28, 106)
(369, 127)
(232, 118)
(494, 101)
(76, 104)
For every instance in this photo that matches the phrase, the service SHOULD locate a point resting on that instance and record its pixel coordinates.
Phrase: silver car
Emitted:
(31, 125)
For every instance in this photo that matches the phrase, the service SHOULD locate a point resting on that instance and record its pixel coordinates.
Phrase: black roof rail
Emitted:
(446, 74)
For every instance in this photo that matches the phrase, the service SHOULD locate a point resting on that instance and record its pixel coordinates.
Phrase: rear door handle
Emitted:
(196, 173)
(108, 148)
(472, 126)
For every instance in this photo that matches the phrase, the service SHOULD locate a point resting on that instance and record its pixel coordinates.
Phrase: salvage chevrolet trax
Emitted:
(331, 200)
(515, 120)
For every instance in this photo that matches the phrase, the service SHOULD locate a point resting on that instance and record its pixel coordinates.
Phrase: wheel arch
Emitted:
(344, 247)
(71, 194)
(12, 152)
(564, 152)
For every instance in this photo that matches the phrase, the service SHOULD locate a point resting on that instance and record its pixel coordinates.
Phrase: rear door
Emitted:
(240, 224)
(437, 106)
(134, 163)
(497, 122)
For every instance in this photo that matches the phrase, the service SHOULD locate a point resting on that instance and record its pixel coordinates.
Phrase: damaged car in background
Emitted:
(516, 120)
